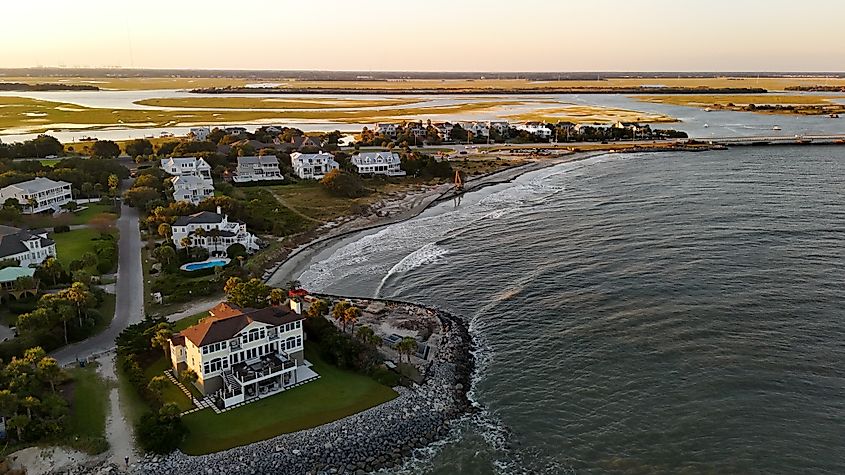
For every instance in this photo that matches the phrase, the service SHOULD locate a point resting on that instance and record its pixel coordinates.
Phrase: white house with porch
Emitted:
(181, 166)
(313, 165)
(241, 355)
(212, 232)
(263, 168)
(191, 188)
(378, 163)
(38, 195)
(28, 248)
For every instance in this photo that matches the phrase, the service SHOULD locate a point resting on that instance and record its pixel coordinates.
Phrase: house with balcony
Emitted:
(253, 169)
(38, 195)
(181, 166)
(313, 165)
(378, 163)
(191, 188)
(241, 355)
(444, 129)
(199, 133)
(28, 248)
(386, 128)
(212, 232)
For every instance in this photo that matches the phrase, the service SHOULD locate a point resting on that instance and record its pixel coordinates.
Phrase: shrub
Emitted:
(236, 250)
(159, 434)
(63, 228)
(343, 184)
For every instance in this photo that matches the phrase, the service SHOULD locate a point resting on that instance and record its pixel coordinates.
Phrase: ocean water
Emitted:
(640, 313)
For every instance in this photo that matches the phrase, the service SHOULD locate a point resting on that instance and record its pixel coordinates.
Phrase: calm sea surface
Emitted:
(654, 313)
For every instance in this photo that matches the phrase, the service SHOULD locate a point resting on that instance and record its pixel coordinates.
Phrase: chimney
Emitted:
(219, 210)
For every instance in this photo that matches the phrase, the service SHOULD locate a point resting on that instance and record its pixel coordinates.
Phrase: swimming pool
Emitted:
(218, 262)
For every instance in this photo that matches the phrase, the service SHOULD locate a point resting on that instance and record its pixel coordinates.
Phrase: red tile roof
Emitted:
(226, 325)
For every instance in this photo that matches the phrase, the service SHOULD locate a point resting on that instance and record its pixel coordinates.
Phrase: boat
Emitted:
(840, 141)
(776, 127)
(706, 126)
(707, 109)
(834, 116)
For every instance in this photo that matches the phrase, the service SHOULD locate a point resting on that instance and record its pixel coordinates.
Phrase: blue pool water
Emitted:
(205, 264)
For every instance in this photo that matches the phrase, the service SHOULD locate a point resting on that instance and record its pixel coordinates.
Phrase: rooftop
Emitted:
(203, 217)
(226, 324)
(38, 185)
(12, 240)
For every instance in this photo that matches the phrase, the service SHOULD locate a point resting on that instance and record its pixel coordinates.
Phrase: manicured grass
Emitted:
(71, 245)
(186, 322)
(93, 210)
(89, 408)
(50, 162)
(171, 392)
(335, 395)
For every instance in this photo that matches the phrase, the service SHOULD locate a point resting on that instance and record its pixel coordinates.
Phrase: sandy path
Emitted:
(118, 428)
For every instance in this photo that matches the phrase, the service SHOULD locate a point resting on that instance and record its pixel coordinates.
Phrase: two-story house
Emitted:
(385, 128)
(242, 354)
(212, 232)
(313, 165)
(263, 168)
(181, 166)
(378, 163)
(191, 188)
(38, 195)
(28, 248)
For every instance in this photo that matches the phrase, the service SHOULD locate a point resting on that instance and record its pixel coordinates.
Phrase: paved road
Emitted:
(129, 289)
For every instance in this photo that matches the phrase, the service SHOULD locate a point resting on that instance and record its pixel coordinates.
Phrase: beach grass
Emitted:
(704, 100)
(26, 115)
(86, 423)
(335, 395)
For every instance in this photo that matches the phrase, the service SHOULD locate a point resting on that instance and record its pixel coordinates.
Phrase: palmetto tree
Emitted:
(186, 243)
(215, 235)
(339, 310)
(406, 346)
(350, 317)
(161, 339)
(78, 295)
(156, 387)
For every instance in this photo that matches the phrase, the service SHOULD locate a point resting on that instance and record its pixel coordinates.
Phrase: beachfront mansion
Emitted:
(27, 248)
(313, 165)
(38, 195)
(212, 232)
(181, 166)
(378, 163)
(243, 354)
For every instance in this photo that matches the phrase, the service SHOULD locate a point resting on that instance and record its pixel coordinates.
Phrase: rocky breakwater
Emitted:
(380, 437)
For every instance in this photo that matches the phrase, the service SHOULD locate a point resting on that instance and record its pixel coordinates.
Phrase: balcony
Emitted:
(266, 366)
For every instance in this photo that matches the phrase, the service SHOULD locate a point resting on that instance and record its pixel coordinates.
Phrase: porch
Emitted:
(269, 375)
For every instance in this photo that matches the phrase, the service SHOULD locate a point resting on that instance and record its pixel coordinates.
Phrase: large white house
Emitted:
(181, 166)
(29, 248)
(38, 195)
(243, 354)
(212, 232)
(386, 128)
(313, 165)
(263, 168)
(191, 188)
(199, 133)
(537, 128)
(378, 163)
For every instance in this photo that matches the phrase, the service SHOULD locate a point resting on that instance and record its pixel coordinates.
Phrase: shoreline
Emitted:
(413, 420)
(302, 256)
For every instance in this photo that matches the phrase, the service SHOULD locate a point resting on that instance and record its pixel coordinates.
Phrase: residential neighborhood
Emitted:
(212, 232)
(38, 195)
(257, 169)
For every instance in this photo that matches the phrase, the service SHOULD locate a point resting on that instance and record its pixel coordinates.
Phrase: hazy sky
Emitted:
(428, 35)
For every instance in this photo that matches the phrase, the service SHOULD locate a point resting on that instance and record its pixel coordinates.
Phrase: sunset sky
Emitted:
(434, 35)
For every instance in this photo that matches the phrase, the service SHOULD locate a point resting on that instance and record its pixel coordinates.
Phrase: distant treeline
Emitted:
(391, 75)
(19, 86)
(816, 88)
(477, 91)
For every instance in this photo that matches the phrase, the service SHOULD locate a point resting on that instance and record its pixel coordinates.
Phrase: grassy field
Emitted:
(590, 115)
(89, 408)
(219, 102)
(335, 395)
(71, 245)
(92, 210)
(22, 115)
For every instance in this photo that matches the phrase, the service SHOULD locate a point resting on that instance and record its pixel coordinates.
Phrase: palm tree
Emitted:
(318, 308)
(214, 234)
(156, 387)
(186, 243)
(164, 230)
(369, 337)
(293, 285)
(351, 316)
(406, 346)
(161, 339)
(277, 296)
(339, 310)
(49, 371)
(19, 423)
(79, 296)
(30, 403)
(53, 268)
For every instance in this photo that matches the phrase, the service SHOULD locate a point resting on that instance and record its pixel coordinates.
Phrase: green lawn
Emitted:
(89, 408)
(335, 395)
(71, 245)
(107, 310)
(81, 217)
(186, 322)
(171, 392)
